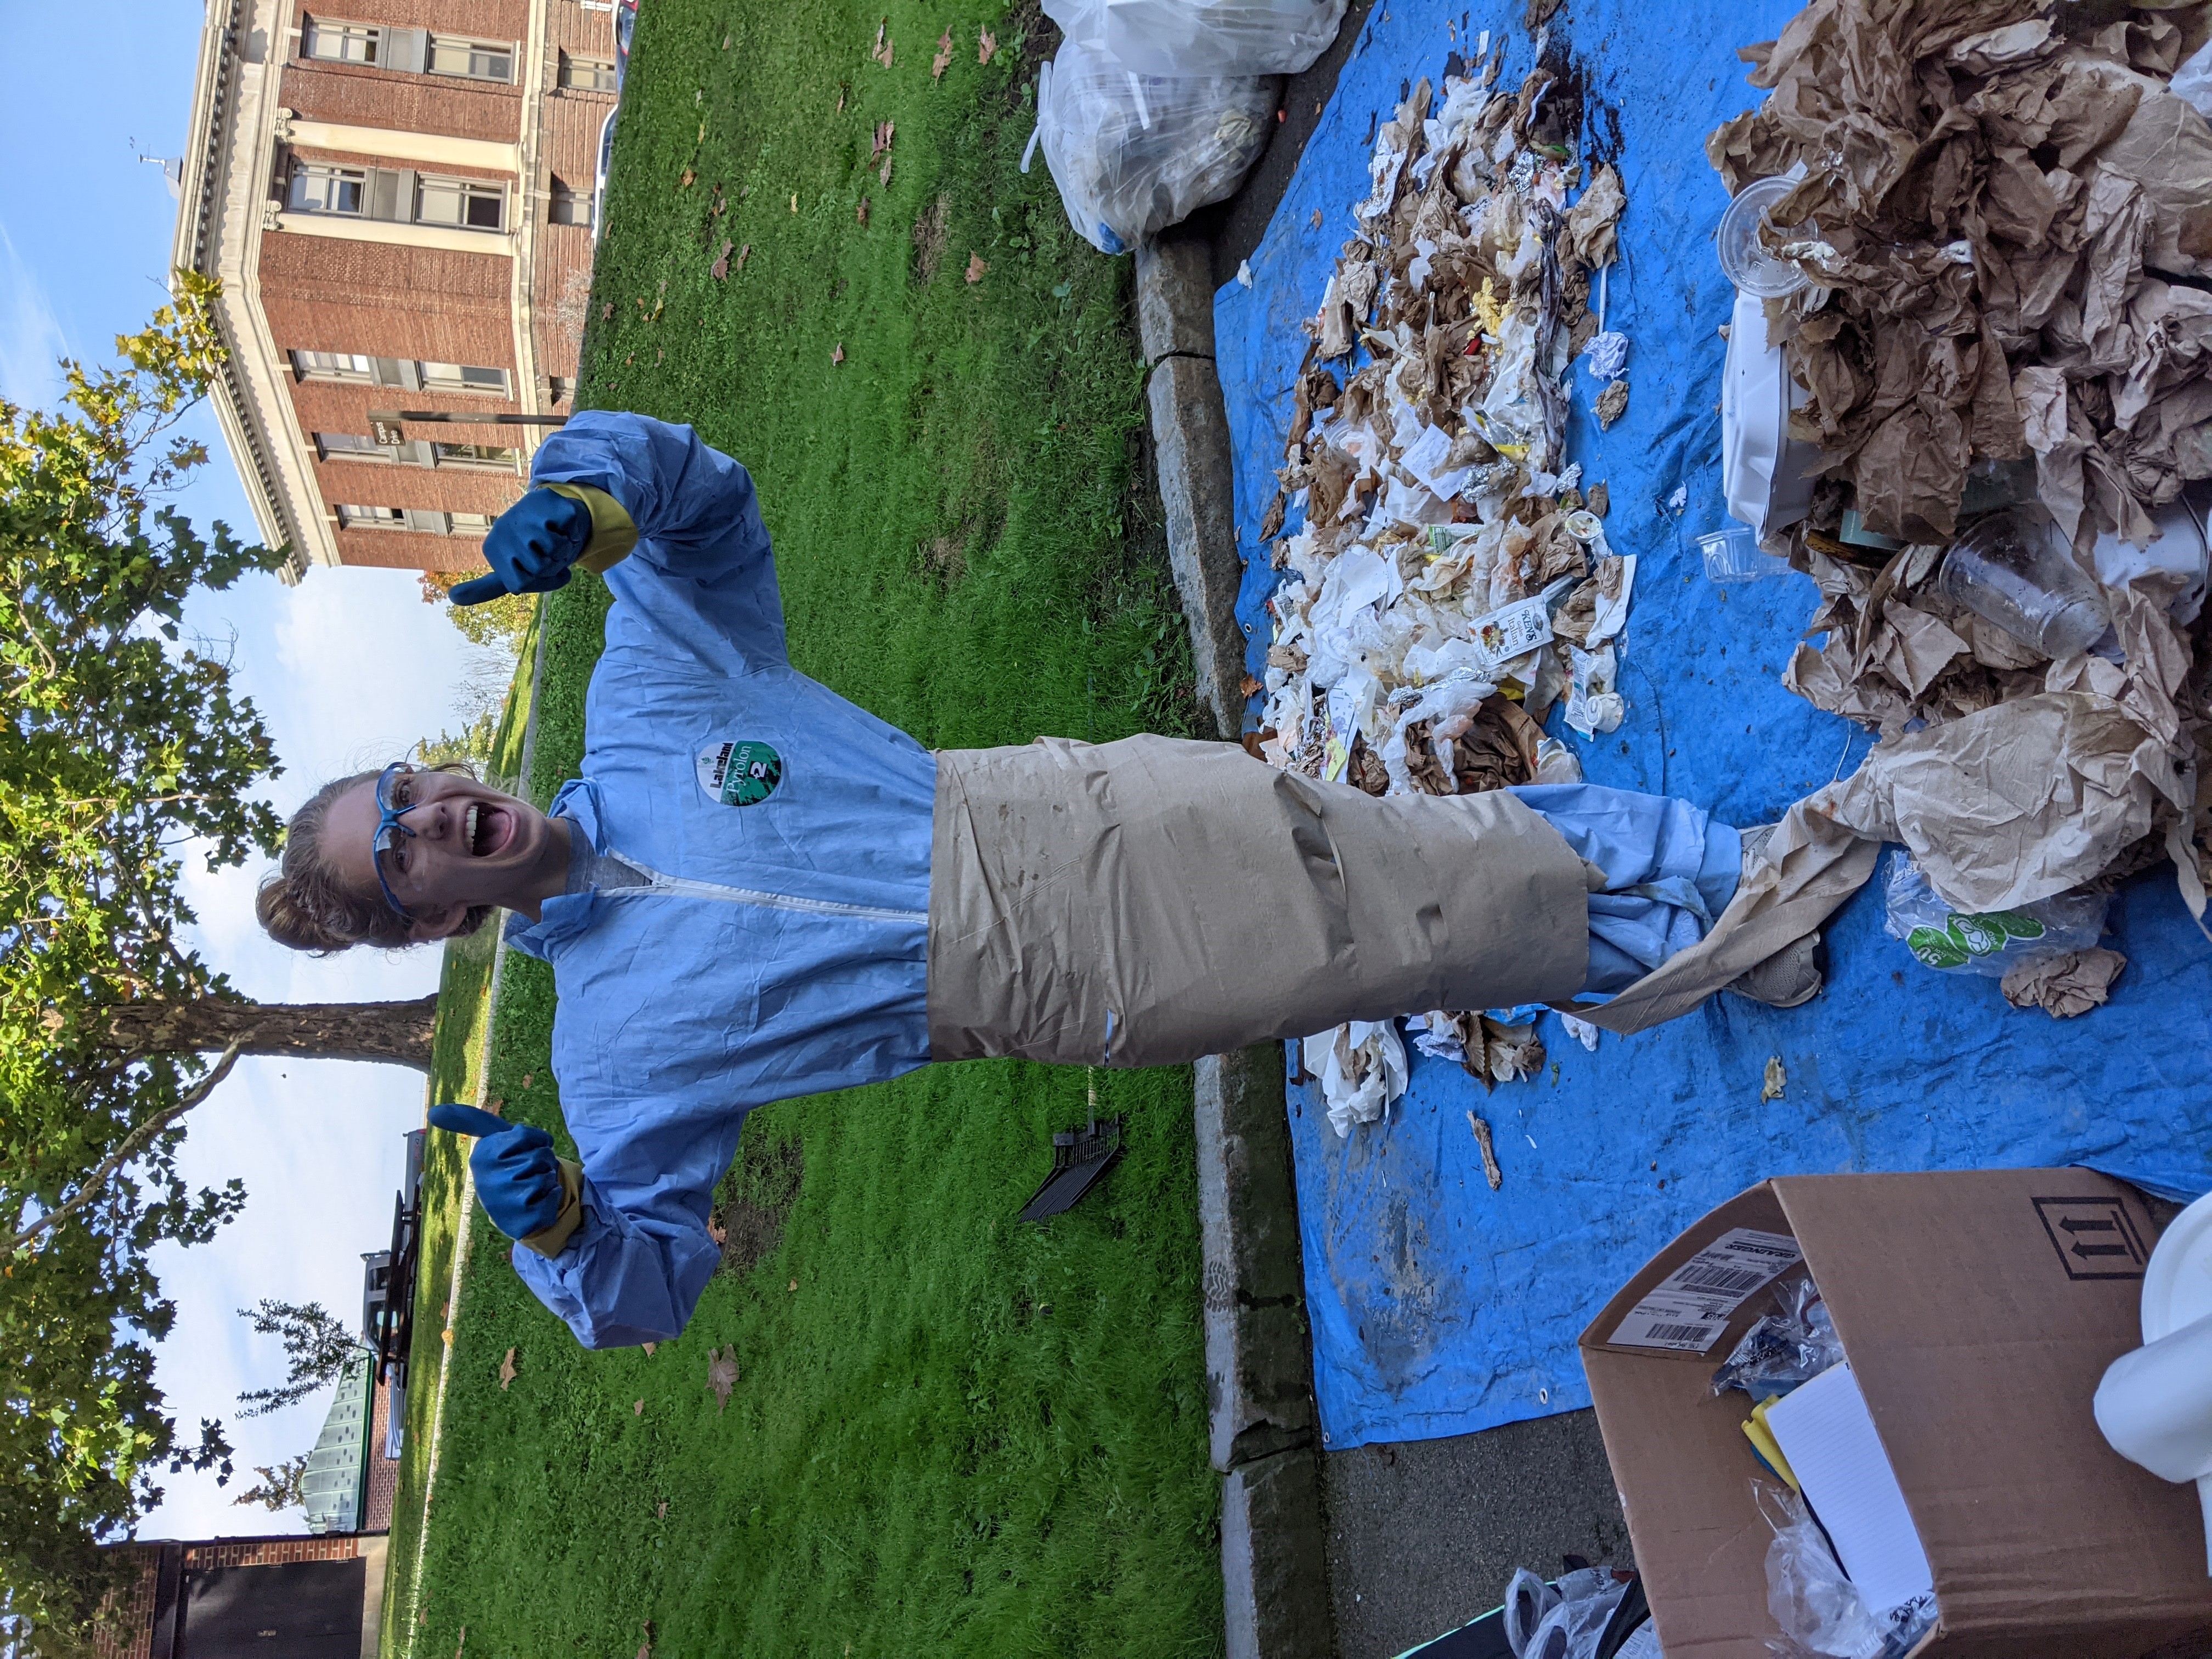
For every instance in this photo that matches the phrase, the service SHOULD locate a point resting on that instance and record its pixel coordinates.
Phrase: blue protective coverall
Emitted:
(778, 952)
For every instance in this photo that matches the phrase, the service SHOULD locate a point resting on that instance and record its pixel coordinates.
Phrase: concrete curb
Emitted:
(1262, 1425)
(1190, 439)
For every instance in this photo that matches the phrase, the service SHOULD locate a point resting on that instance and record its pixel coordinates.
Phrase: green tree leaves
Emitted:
(122, 743)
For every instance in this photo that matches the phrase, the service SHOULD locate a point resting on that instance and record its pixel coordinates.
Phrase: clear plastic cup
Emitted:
(2014, 569)
(1744, 261)
(1734, 554)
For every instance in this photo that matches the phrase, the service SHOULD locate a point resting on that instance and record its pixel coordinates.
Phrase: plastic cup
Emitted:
(2013, 569)
(1744, 261)
(1734, 554)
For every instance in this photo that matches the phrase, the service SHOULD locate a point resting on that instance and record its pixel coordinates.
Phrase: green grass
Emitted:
(957, 1435)
(456, 1056)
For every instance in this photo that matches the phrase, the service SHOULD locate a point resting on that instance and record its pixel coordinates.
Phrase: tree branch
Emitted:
(97, 1181)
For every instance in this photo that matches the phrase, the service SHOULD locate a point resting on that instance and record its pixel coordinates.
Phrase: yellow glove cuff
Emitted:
(554, 1239)
(613, 533)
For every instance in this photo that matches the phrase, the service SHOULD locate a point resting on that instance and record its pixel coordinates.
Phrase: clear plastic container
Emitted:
(1744, 261)
(1734, 554)
(2014, 569)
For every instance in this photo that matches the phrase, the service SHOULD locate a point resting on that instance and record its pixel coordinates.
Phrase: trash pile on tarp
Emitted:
(1996, 390)
(1152, 108)
(1450, 581)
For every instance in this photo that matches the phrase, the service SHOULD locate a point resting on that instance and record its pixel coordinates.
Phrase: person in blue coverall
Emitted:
(757, 890)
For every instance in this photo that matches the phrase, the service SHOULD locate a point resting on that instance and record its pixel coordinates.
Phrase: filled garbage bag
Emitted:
(1133, 154)
(1202, 36)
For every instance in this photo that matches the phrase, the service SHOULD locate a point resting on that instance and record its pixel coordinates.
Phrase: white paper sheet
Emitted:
(1826, 1431)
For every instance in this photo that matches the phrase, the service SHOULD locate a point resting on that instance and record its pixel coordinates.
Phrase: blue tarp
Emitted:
(1437, 1306)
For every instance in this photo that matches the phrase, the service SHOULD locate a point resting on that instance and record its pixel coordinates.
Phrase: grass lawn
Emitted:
(948, 1433)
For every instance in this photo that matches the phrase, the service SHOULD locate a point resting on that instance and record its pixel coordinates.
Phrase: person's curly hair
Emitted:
(303, 904)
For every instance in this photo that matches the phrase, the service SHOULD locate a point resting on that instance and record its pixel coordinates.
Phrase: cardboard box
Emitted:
(1978, 1309)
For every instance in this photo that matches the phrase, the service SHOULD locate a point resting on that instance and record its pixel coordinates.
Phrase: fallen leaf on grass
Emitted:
(986, 47)
(446, 1336)
(882, 54)
(717, 1232)
(862, 215)
(976, 267)
(660, 1509)
(720, 269)
(506, 1371)
(703, 132)
(794, 201)
(884, 133)
(498, 1104)
(649, 1347)
(529, 1077)
(685, 182)
(638, 1410)
(794, 1284)
(722, 1375)
(840, 110)
(883, 173)
(943, 61)
(607, 311)
(838, 355)
(725, 43)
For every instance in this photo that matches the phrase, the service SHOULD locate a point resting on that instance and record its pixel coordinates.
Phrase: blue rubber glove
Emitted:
(517, 1177)
(530, 548)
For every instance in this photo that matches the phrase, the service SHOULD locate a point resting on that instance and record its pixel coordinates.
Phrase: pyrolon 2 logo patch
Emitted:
(740, 773)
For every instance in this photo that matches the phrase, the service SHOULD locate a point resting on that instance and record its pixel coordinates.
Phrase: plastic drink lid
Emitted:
(1744, 262)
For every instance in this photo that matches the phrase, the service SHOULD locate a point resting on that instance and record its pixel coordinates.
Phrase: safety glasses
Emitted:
(389, 829)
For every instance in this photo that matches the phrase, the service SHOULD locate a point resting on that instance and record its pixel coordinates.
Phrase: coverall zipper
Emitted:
(684, 887)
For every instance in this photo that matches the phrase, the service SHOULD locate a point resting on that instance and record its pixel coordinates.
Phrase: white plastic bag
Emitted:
(2193, 81)
(1988, 944)
(1202, 36)
(1133, 154)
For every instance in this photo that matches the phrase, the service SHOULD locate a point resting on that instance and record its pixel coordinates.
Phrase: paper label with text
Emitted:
(1689, 1309)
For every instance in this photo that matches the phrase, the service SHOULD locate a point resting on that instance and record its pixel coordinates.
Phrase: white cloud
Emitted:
(31, 338)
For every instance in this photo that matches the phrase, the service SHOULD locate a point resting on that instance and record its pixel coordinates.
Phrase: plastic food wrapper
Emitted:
(1790, 1346)
(1133, 154)
(1991, 943)
(1362, 1068)
(1202, 36)
(1819, 1612)
(1564, 1621)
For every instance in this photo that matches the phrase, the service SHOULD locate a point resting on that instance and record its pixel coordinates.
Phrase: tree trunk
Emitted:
(395, 1033)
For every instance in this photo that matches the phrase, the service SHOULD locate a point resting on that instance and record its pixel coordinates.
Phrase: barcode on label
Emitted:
(1697, 1277)
(1699, 1334)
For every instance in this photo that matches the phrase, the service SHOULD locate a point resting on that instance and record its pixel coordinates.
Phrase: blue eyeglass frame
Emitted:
(388, 831)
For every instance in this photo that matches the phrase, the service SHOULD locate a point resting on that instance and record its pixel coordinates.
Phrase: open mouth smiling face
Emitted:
(445, 844)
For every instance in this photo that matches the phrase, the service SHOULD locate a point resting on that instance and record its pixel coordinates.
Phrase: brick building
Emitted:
(226, 1598)
(398, 195)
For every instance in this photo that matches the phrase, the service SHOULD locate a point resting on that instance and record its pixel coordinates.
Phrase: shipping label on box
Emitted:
(1689, 1309)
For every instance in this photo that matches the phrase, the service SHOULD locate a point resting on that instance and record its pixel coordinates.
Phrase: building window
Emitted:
(371, 517)
(463, 377)
(471, 204)
(489, 456)
(340, 43)
(587, 74)
(332, 366)
(470, 524)
(569, 206)
(350, 447)
(319, 189)
(477, 60)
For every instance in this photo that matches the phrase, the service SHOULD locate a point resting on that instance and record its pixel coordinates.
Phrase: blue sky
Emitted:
(348, 669)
